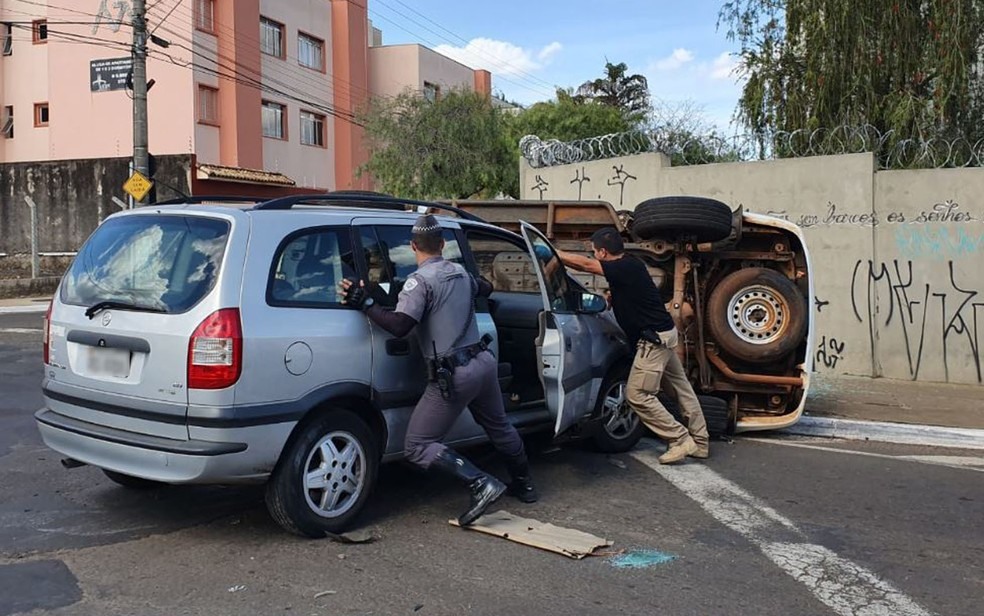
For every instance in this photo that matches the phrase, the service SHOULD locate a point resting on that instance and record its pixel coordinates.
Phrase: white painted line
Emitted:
(23, 309)
(887, 432)
(20, 330)
(965, 462)
(844, 586)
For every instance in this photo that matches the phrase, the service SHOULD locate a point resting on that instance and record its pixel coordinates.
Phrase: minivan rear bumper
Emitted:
(140, 455)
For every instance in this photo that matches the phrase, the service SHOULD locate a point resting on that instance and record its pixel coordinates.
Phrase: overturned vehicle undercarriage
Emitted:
(738, 285)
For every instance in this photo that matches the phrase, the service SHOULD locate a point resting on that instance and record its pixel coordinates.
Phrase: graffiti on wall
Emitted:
(829, 352)
(619, 179)
(893, 300)
(540, 186)
(580, 177)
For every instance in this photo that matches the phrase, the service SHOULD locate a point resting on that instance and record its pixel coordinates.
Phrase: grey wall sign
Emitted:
(110, 74)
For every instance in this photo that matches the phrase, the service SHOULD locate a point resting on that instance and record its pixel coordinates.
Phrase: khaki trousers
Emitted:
(655, 366)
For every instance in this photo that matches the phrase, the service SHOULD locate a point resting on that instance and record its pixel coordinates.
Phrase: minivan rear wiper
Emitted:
(96, 308)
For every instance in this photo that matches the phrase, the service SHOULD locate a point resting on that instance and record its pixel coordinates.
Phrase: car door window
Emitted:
(308, 267)
(390, 259)
(507, 265)
(561, 294)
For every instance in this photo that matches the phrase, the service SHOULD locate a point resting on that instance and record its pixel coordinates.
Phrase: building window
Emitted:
(271, 37)
(8, 39)
(312, 129)
(310, 52)
(39, 31)
(274, 120)
(432, 91)
(205, 15)
(7, 122)
(40, 114)
(208, 105)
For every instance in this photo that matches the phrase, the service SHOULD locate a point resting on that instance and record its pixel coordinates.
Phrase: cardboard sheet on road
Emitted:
(567, 541)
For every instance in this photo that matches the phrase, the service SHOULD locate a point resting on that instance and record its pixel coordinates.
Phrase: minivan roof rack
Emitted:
(362, 199)
(200, 199)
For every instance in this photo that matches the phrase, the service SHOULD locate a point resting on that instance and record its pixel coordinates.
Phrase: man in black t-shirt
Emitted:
(642, 315)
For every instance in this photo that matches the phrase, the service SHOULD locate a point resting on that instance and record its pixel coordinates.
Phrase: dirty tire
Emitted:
(757, 315)
(343, 446)
(616, 434)
(715, 411)
(708, 220)
(131, 482)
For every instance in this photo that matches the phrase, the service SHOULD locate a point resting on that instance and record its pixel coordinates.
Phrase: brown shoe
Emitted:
(703, 451)
(679, 450)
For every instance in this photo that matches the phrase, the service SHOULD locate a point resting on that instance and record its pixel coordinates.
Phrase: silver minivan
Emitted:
(204, 341)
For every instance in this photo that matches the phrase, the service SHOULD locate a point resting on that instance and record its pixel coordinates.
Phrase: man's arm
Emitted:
(581, 263)
(395, 322)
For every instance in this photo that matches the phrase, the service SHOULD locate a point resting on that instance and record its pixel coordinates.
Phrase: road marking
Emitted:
(19, 330)
(844, 586)
(970, 463)
(23, 309)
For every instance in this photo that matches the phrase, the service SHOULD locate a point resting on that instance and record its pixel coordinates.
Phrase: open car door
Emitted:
(563, 347)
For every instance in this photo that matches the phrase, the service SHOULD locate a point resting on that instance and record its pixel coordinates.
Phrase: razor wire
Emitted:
(890, 149)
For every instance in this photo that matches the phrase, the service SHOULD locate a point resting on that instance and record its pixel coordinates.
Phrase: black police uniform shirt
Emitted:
(637, 302)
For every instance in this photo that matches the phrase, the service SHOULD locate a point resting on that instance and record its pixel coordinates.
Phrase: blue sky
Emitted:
(533, 45)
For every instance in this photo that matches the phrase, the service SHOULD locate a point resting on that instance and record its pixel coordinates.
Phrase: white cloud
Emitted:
(675, 60)
(548, 52)
(500, 57)
(725, 66)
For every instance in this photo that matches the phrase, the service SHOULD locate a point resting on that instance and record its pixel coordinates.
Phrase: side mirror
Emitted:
(591, 303)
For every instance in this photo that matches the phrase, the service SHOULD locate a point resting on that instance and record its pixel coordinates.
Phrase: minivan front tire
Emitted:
(325, 476)
(618, 428)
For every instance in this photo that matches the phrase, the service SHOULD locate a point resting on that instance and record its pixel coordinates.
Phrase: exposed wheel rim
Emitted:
(334, 474)
(617, 416)
(758, 314)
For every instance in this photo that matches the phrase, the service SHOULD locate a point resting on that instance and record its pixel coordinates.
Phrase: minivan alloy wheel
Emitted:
(336, 472)
(619, 418)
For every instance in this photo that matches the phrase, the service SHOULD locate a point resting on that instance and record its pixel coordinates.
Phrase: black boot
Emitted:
(485, 489)
(522, 483)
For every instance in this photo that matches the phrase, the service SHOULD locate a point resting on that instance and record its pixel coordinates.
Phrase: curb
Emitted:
(885, 432)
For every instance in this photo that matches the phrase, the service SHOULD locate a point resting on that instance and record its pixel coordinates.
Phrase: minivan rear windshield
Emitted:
(162, 263)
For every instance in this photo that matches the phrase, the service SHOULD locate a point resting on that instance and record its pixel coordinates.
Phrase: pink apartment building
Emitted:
(259, 93)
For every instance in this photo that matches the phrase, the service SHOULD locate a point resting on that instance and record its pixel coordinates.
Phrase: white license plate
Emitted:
(108, 362)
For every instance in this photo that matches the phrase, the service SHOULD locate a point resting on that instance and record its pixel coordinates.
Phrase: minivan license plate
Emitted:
(109, 362)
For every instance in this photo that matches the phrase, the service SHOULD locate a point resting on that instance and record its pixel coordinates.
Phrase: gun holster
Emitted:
(652, 336)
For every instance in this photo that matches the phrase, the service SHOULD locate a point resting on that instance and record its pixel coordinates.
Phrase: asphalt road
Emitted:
(766, 526)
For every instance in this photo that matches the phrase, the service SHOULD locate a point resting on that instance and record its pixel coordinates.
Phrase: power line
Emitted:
(487, 55)
(535, 89)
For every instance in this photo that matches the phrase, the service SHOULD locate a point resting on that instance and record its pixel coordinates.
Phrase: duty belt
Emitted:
(461, 357)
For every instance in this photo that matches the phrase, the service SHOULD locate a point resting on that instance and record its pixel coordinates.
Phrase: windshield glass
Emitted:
(157, 262)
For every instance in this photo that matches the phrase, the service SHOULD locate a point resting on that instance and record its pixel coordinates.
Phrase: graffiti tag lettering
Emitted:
(580, 177)
(541, 185)
(830, 352)
(621, 177)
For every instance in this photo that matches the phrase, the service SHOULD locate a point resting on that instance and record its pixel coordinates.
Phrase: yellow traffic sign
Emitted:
(138, 186)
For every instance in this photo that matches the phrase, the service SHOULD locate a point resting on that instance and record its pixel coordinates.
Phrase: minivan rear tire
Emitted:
(340, 444)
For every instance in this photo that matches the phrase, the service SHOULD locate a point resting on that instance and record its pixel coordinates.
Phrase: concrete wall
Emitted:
(72, 196)
(895, 253)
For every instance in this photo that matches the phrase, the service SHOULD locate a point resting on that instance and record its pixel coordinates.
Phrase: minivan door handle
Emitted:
(397, 346)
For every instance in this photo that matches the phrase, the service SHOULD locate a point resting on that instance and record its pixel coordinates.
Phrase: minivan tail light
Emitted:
(47, 333)
(215, 351)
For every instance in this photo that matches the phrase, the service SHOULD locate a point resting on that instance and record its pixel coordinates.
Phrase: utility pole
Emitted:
(141, 152)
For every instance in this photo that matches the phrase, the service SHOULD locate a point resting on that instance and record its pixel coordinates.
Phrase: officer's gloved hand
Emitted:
(354, 294)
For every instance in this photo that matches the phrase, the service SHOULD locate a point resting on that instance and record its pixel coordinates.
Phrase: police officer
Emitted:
(642, 315)
(439, 299)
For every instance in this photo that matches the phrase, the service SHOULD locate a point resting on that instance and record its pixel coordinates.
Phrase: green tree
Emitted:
(455, 147)
(912, 67)
(616, 88)
(566, 119)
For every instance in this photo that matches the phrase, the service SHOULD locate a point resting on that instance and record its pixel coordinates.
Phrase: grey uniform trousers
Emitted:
(476, 386)
(656, 366)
